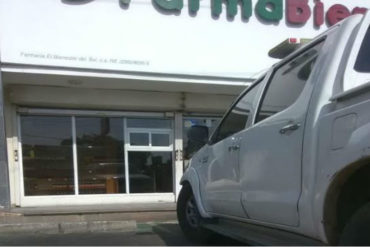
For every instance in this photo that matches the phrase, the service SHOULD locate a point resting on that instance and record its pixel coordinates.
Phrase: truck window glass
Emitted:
(237, 118)
(363, 61)
(287, 83)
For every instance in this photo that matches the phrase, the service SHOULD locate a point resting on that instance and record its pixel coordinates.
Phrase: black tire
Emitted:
(357, 230)
(189, 218)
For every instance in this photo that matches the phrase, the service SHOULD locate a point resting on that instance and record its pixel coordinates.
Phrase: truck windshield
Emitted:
(363, 61)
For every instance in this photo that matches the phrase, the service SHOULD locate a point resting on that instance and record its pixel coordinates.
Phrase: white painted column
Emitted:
(178, 153)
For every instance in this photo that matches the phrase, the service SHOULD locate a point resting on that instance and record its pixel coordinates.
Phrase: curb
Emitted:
(86, 210)
(147, 227)
(9, 214)
(70, 227)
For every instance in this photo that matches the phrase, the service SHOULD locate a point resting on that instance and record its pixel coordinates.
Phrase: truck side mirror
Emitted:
(197, 138)
(198, 133)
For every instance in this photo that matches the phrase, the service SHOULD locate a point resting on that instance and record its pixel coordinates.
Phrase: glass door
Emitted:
(150, 155)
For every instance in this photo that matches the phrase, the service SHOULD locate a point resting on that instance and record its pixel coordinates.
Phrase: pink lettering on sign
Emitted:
(298, 11)
(337, 13)
(359, 10)
(318, 13)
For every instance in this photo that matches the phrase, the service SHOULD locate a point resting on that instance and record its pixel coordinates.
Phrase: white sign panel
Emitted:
(142, 36)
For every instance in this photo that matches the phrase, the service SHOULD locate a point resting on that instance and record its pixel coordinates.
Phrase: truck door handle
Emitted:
(234, 148)
(203, 160)
(290, 127)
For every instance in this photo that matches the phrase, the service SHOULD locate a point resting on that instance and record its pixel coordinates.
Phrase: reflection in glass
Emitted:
(100, 153)
(150, 172)
(160, 140)
(139, 139)
(47, 155)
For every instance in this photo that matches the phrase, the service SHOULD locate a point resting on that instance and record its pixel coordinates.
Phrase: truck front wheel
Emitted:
(188, 216)
(357, 230)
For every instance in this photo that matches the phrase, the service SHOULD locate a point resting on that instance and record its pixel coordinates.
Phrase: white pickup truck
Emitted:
(289, 163)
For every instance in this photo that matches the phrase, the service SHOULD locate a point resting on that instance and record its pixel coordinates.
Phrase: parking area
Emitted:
(160, 234)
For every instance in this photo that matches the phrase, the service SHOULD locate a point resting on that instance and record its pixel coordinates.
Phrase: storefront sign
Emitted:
(225, 38)
(298, 12)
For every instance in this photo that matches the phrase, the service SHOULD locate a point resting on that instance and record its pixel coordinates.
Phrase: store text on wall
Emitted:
(298, 12)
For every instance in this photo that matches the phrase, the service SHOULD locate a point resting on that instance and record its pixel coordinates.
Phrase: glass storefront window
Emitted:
(47, 155)
(100, 152)
(139, 139)
(150, 172)
(160, 140)
(96, 151)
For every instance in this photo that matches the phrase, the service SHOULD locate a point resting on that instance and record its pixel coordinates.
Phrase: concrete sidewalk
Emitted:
(69, 227)
(160, 234)
(84, 219)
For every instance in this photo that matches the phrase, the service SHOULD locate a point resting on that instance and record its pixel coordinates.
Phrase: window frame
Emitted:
(350, 74)
(150, 132)
(357, 58)
(279, 66)
(249, 123)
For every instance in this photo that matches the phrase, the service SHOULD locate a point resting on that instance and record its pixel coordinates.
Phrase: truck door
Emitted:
(271, 150)
(219, 173)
